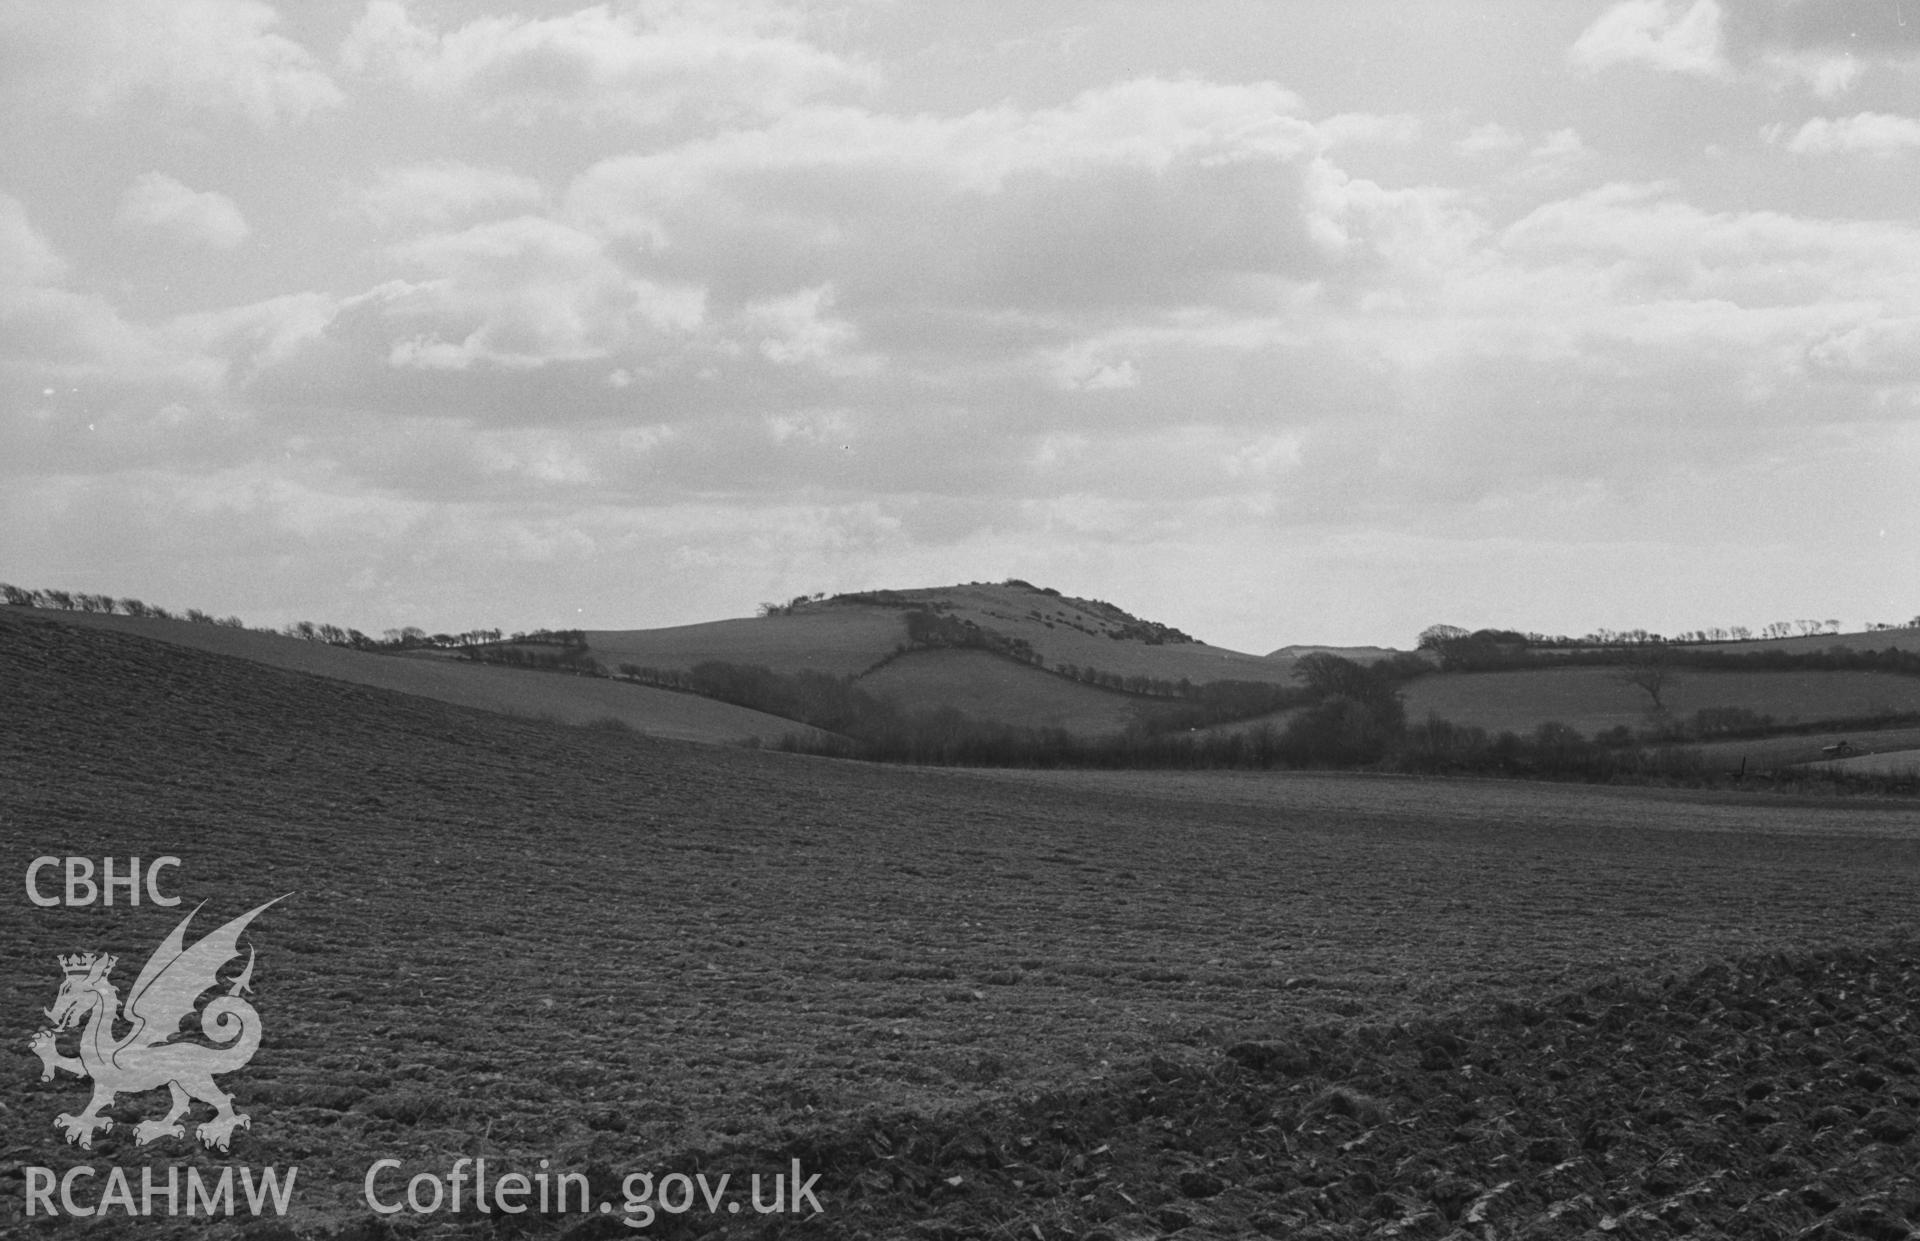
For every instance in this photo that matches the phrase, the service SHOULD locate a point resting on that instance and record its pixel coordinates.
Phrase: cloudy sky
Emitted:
(1279, 322)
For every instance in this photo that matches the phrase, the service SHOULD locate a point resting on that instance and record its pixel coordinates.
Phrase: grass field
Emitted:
(1892, 762)
(844, 641)
(1590, 699)
(1763, 753)
(1875, 640)
(989, 687)
(521, 940)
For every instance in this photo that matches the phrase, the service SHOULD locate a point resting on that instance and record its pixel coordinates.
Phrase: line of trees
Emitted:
(1438, 638)
(105, 605)
(1491, 650)
(1349, 716)
(410, 638)
(1342, 733)
(928, 630)
(566, 659)
(819, 699)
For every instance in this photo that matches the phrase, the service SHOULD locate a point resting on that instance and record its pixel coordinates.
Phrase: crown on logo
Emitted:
(82, 963)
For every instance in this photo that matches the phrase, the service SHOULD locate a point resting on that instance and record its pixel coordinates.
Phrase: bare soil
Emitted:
(521, 940)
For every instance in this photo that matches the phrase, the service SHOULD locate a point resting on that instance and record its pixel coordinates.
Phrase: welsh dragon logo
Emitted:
(151, 1053)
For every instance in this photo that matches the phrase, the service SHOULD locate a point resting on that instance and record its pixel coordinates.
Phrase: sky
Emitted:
(1278, 322)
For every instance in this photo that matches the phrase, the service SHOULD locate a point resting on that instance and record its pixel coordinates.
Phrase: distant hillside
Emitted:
(1010, 653)
(841, 640)
(508, 691)
(1870, 640)
(1358, 654)
(849, 634)
(988, 687)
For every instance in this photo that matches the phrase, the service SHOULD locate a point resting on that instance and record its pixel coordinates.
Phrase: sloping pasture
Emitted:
(1062, 632)
(560, 697)
(1885, 763)
(844, 640)
(1762, 753)
(989, 687)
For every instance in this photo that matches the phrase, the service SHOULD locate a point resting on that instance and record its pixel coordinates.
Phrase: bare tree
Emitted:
(1648, 670)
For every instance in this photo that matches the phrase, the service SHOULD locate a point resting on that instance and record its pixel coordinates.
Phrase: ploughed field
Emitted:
(978, 1004)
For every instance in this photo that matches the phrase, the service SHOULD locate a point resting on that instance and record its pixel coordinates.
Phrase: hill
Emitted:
(1010, 653)
(849, 634)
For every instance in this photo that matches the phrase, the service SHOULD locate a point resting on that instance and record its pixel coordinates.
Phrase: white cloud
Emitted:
(800, 329)
(190, 56)
(1879, 349)
(536, 454)
(637, 66)
(1352, 128)
(524, 292)
(26, 257)
(1559, 155)
(48, 330)
(1826, 46)
(1827, 75)
(441, 192)
(1144, 193)
(250, 338)
(1090, 367)
(1491, 138)
(1677, 37)
(157, 202)
(829, 428)
(1149, 125)
(1865, 133)
(1646, 241)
